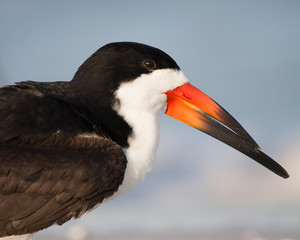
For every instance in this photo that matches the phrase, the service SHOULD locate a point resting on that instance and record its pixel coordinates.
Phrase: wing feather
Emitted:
(52, 165)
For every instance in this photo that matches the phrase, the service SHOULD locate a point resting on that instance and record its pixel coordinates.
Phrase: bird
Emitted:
(67, 146)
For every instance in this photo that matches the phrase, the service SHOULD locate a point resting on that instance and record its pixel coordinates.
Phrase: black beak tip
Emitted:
(285, 174)
(269, 163)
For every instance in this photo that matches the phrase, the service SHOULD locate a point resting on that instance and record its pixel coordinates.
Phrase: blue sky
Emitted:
(244, 54)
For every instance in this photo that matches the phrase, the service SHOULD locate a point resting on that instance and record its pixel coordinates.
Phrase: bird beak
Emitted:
(193, 107)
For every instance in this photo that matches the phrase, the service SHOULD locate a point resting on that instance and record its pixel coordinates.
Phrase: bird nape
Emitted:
(67, 146)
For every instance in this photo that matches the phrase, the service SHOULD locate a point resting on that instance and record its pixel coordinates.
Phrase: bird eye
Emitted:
(150, 64)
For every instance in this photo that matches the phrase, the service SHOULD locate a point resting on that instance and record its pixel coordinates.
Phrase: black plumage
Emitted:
(52, 164)
(61, 142)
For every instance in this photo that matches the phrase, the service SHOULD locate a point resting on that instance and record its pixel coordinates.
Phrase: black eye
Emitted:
(150, 64)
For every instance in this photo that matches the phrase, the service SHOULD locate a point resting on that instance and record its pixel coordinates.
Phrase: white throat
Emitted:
(139, 104)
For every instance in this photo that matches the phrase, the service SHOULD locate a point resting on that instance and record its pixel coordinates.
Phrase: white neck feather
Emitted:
(139, 104)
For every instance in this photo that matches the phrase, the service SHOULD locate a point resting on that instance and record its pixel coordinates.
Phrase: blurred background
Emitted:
(243, 54)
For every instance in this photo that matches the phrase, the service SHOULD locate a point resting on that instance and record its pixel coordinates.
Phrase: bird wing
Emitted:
(52, 166)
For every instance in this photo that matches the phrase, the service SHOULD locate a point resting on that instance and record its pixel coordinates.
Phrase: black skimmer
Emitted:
(67, 146)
